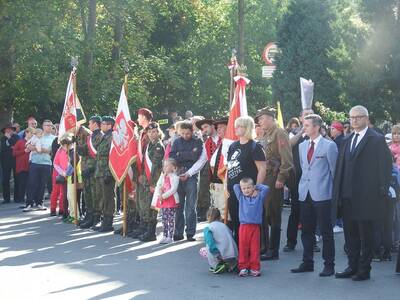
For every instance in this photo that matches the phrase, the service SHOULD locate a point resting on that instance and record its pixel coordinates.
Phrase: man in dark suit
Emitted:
(360, 187)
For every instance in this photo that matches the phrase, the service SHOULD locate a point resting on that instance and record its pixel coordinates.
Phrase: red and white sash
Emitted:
(92, 149)
(147, 164)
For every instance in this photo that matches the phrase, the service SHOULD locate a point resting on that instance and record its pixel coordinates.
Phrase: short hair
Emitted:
(396, 128)
(213, 214)
(246, 180)
(248, 123)
(361, 109)
(171, 161)
(316, 119)
(186, 125)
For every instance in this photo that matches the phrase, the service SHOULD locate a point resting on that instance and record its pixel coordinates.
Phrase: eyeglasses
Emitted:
(357, 117)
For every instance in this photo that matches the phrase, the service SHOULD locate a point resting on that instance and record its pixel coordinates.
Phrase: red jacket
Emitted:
(21, 157)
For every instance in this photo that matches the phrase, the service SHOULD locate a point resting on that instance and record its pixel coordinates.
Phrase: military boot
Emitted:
(88, 222)
(273, 252)
(139, 231)
(150, 233)
(106, 225)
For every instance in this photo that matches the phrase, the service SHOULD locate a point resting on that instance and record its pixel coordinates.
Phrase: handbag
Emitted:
(60, 179)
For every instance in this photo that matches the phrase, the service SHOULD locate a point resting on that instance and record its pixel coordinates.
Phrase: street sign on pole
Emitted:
(267, 71)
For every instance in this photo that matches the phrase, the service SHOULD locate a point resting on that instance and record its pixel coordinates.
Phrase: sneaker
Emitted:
(211, 269)
(244, 273)
(337, 229)
(254, 273)
(168, 240)
(162, 240)
(41, 207)
(28, 208)
(220, 268)
(53, 214)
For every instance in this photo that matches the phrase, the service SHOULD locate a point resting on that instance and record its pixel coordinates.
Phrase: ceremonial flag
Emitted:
(80, 115)
(238, 109)
(307, 93)
(279, 117)
(68, 117)
(123, 147)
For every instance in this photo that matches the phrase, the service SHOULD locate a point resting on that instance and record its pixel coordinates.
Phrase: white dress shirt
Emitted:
(360, 137)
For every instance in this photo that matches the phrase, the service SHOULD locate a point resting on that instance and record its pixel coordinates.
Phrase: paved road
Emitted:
(43, 258)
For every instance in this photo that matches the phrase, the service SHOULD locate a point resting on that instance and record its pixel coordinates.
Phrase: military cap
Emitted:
(108, 119)
(96, 119)
(146, 112)
(269, 111)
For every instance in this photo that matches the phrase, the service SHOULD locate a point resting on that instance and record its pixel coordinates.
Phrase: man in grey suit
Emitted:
(318, 160)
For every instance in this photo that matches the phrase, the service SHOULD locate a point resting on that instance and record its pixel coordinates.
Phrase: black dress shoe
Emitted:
(288, 248)
(190, 238)
(178, 237)
(360, 276)
(303, 268)
(317, 248)
(270, 255)
(327, 271)
(347, 273)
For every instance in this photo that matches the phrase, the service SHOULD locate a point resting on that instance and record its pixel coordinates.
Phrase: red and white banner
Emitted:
(238, 109)
(68, 117)
(124, 146)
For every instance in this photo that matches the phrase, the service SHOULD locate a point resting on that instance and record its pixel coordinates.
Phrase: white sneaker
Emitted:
(28, 208)
(168, 240)
(163, 239)
(337, 229)
(41, 207)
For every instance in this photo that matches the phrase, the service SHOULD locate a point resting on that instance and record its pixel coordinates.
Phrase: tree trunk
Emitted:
(118, 33)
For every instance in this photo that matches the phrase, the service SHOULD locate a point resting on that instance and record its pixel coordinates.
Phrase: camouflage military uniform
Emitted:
(147, 215)
(279, 165)
(105, 183)
(88, 166)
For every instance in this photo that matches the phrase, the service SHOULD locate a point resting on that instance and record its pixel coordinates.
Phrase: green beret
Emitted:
(96, 119)
(108, 119)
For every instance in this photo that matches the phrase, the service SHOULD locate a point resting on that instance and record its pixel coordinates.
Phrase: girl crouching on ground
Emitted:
(222, 251)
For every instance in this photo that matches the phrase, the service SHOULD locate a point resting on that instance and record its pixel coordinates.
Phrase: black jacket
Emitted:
(370, 167)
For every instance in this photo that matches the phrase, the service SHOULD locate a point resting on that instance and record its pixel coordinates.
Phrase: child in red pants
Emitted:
(60, 164)
(251, 202)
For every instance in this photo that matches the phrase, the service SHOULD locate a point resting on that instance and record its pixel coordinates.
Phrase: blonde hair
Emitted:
(247, 123)
(30, 130)
(396, 128)
(37, 131)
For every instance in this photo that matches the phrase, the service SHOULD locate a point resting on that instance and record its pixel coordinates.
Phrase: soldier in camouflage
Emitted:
(145, 116)
(279, 166)
(105, 183)
(87, 145)
(152, 165)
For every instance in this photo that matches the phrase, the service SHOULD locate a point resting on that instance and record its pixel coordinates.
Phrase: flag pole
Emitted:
(74, 63)
(124, 192)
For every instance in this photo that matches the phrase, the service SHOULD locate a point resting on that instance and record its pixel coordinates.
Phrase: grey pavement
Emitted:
(43, 258)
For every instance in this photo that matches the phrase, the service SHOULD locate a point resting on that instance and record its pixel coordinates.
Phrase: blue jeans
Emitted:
(37, 180)
(186, 212)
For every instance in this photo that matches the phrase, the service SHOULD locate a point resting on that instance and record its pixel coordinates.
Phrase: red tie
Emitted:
(310, 152)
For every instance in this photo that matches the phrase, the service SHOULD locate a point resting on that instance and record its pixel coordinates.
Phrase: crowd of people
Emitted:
(342, 177)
